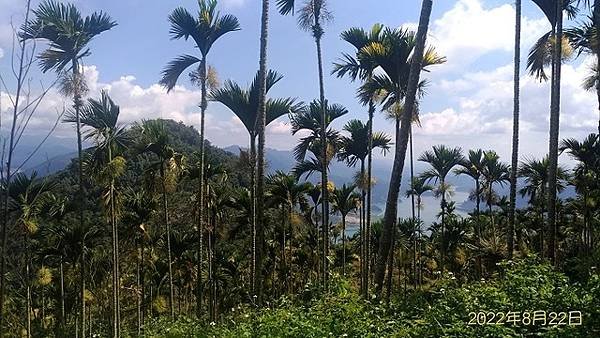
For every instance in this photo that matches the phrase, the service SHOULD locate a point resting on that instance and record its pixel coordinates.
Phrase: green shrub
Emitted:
(524, 285)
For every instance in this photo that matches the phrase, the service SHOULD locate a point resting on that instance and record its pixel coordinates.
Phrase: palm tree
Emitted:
(316, 119)
(105, 164)
(218, 199)
(140, 207)
(536, 175)
(473, 167)
(27, 197)
(586, 154)
(313, 14)
(515, 137)
(285, 191)
(418, 187)
(345, 200)
(261, 128)
(358, 67)
(398, 83)
(357, 147)
(442, 160)
(245, 105)
(538, 57)
(68, 35)
(205, 30)
(168, 166)
(494, 172)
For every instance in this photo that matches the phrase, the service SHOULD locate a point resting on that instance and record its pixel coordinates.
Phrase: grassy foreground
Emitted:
(521, 286)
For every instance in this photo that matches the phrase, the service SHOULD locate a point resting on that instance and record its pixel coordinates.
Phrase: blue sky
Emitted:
(469, 102)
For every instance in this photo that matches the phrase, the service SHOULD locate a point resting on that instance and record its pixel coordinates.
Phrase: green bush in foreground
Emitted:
(522, 286)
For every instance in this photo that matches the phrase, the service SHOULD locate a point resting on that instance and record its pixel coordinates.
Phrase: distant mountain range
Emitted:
(340, 173)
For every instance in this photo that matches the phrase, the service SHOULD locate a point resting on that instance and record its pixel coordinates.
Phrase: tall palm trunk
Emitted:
(478, 215)
(28, 282)
(542, 223)
(325, 162)
(8, 177)
(363, 220)
(369, 192)
(443, 236)
(554, 133)
(412, 201)
(419, 205)
(200, 254)
(596, 22)
(391, 208)
(115, 256)
(515, 139)
(138, 301)
(344, 245)
(260, 172)
(390, 268)
(491, 211)
(203, 106)
(77, 103)
(168, 231)
(282, 277)
(62, 296)
(253, 207)
(211, 302)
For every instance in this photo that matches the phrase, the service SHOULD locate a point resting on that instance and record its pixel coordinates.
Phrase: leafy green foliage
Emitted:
(523, 285)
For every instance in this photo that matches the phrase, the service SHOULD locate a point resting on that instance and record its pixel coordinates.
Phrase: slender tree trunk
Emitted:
(443, 233)
(142, 280)
(261, 126)
(554, 135)
(478, 214)
(391, 209)
(253, 211)
(282, 276)
(596, 21)
(515, 139)
(77, 103)
(43, 317)
(362, 225)
(369, 192)
(62, 296)
(325, 162)
(211, 302)
(344, 245)
(203, 106)
(28, 282)
(363, 222)
(138, 292)
(412, 202)
(390, 268)
(115, 256)
(491, 211)
(420, 241)
(214, 276)
(168, 231)
(542, 225)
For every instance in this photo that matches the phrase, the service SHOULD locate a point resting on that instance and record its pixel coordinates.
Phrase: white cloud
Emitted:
(139, 102)
(1, 53)
(481, 105)
(469, 31)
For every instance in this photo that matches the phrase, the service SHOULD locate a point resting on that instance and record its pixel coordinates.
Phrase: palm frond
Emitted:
(173, 70)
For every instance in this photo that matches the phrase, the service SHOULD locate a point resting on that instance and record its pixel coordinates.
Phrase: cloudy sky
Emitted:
(469, 101)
